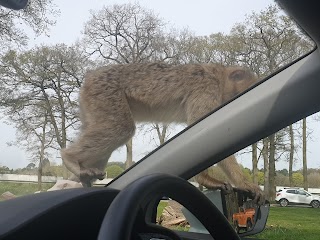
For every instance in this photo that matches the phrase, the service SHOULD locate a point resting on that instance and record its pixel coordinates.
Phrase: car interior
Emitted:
(126, 207)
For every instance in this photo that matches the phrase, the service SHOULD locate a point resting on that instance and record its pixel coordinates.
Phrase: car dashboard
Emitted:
(63, 214)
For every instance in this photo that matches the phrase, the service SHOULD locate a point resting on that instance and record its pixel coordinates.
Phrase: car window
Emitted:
(292, 191)
(302, 192)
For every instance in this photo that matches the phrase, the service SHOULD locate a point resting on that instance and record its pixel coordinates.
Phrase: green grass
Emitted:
(21, 189)
(292, 223)
(161, 206)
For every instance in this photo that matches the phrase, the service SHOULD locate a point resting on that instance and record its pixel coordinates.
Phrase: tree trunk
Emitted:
(272, 168)
(43, 142)
(40, 174)
(63, 144)
(161, 132)
(265, 151)
(255, 163)
(304, 153)
(61, 140)
(129, 154)
(291, 155)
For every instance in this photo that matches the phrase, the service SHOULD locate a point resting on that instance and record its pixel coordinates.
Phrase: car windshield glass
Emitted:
(87, 89)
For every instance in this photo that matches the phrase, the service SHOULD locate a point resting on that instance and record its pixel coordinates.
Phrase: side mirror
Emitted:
(247, 218)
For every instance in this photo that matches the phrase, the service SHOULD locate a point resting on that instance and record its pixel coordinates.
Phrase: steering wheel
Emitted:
(120, 218)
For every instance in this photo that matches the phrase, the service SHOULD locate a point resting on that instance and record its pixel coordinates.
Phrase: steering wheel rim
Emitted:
(125, 207)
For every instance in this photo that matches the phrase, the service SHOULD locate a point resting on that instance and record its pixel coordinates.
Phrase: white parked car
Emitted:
(288, 196)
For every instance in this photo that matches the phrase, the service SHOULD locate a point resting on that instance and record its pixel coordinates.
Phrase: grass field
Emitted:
(287, 223)
(292, 223)
(21, 189)
(161, 206)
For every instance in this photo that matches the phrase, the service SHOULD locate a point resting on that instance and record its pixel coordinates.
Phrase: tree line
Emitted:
(39, 86)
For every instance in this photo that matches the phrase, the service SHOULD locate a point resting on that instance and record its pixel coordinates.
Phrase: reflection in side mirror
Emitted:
(253, 219)
(246, 217)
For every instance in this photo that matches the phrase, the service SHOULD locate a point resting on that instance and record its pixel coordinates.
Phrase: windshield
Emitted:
(88, 90)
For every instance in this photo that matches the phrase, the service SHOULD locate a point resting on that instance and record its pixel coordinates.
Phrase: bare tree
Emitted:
(215, 48)
(46, 78)
(268, 40)
(161, 132)
(255, 163)
(42, 139)
(304, 154)
(265, 151)
(291, 154)
(125, 33)
(129, 160)
(38, 15)
(272, 166)
(33, 134)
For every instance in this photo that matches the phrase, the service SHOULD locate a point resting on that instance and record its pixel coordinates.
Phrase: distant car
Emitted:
(288, 196)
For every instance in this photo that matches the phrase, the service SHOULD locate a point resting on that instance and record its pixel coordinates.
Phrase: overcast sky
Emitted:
(202, 17)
